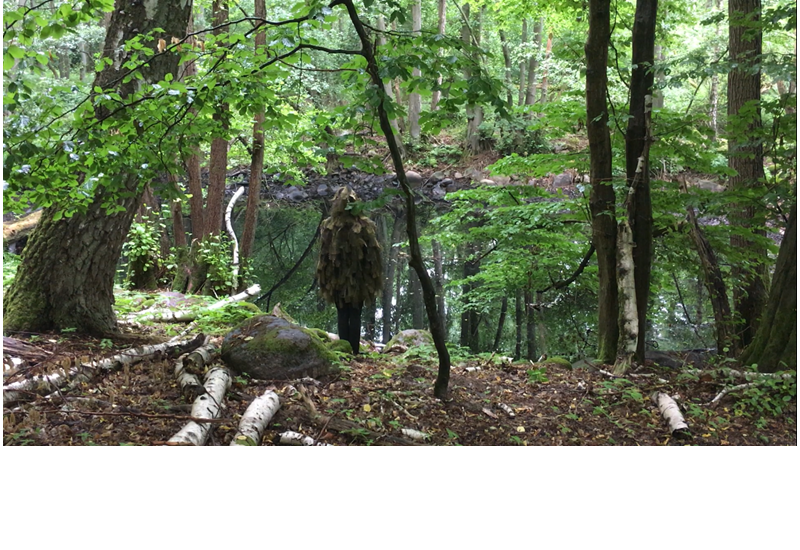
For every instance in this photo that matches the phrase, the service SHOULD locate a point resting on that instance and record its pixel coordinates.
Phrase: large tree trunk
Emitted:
(500, 324)
(438, 283)
(193, 180)
(218, 163)
(548, 52)
(637, 161)
(775, 344)
(390, 254)
(507, 63)
(715, 284)
(429, 293)
(474, 112)
(746, 157)
(523, 83)
(533, 62)
(257, 159)
(518, 321)
(602, 198)
(415, 296)
(658, 94)
(713, 97)
(414, 99)
(67, 272)
(530, 318)
(437, 94)
(387, 86)
(470, 330)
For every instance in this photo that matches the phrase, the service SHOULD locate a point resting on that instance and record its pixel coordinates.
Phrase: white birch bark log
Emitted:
(208, 405)
(416, 435)
(255, 419)
(294, 438)
(229, 225)
(506, 409)
(671, 413)
(45, 383)
(198, 359)
(728, 390)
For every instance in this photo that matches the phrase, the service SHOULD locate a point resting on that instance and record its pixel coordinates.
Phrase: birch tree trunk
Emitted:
(437, 94)
(414, 99)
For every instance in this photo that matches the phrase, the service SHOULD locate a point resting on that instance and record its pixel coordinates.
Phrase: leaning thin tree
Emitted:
(415, 261)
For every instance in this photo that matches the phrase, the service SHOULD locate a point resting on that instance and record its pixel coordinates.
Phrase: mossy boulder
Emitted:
(408, 339)
(266, 347)
(560, 361)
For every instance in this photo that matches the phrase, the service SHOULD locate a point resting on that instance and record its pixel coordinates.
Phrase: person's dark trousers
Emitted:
(349, 319)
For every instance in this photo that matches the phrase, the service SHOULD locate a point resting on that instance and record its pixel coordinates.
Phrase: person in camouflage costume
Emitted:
(349, 270)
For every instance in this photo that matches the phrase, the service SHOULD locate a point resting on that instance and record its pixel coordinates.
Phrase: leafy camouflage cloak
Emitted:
(349, 270)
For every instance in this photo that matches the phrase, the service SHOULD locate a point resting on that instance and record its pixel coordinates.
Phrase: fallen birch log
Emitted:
(728, 390)
(45, 383)
(189, 365)
(672, 414)
(295, 438)
(170, 316)
(207, 406)
(255, 419)
(416, 435)
(506, 409)
(746, 375)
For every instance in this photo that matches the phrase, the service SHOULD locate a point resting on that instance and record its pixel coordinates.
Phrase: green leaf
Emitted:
(16, 52)
(8, 62)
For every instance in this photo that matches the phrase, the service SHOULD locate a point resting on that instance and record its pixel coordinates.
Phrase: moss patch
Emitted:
(342, 346)
(560, 361)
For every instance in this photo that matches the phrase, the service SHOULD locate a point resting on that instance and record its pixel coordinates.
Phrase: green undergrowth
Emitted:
(217, 321)
(10, 264)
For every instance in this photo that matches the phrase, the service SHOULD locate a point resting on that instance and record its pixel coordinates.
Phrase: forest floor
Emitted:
(374, 396)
